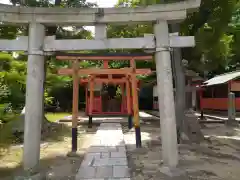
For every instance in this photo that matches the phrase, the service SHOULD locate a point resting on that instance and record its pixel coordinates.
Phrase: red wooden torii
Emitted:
(125, 77)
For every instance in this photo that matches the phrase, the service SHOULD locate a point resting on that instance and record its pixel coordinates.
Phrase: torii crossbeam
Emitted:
(97, 71)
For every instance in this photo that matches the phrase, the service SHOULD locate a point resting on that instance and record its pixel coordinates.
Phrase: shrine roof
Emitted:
(223, 78)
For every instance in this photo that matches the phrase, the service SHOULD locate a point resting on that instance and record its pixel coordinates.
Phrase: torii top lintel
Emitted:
(105, 56)
(92, 16)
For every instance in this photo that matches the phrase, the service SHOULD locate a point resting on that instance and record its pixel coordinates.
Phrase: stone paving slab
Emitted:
(106, 158)
(110, 179)
(110, 162)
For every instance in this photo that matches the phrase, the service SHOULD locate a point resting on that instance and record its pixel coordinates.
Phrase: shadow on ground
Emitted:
(51, 132)
(55, 168)
(54, 160)
(217, 158)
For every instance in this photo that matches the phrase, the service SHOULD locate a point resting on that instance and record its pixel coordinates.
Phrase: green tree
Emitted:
(234, 32)
(208, 25)
(12, 80)
(13, 76)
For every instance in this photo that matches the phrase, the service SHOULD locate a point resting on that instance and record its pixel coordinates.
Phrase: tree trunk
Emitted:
(187, 124)
(50, 31)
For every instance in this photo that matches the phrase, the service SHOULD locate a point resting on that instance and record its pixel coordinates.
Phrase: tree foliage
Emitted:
(13, 68)
(215, 25)
(209, 24)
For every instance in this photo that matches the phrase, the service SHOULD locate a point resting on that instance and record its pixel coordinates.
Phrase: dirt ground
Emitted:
(53, 157)
(218, 158)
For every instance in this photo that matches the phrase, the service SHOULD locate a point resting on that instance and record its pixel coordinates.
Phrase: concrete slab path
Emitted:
(106, 158)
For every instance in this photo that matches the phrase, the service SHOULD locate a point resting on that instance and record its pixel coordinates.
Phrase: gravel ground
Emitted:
(218, 158)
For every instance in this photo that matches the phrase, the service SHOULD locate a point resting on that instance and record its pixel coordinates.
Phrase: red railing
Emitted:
(217, 103)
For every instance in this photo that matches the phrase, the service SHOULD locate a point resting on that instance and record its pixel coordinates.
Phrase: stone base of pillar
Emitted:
(138, 137)
(130, 125)
(90, 122)
(173, 173)
(202, 116)
(74, 139)
(73, 154)
(232, 123)
(178, 135)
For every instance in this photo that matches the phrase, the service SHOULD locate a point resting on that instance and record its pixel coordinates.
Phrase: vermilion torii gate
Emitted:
(127, 76)
(37, 45)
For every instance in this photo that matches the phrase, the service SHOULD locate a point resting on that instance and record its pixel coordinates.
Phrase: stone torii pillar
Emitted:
(100, 34)
(75, 100)
(34, 97)
(166, 98)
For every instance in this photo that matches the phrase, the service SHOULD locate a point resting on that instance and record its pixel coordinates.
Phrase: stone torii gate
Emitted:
(37, 45)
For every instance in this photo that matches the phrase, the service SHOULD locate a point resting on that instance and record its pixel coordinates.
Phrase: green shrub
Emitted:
(2, 107)
(4, 92)
(6, 113)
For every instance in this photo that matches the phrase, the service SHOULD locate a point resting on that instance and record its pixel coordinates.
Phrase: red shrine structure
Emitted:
(102, 84)
(214, 92)
(103, 102)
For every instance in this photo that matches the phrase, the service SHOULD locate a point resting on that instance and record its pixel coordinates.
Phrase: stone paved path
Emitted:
(106, 158)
